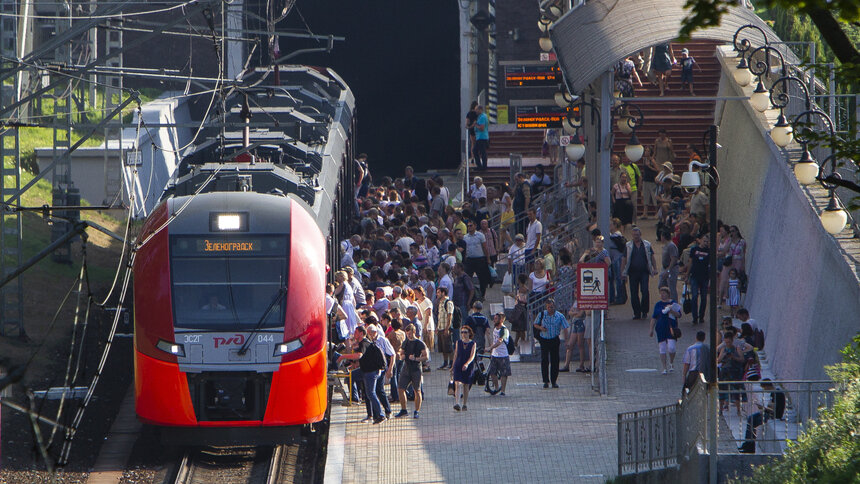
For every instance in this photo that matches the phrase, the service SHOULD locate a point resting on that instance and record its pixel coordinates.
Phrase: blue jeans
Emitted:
(617, 292)
(374, 408)
(699, 290)
(398, 365)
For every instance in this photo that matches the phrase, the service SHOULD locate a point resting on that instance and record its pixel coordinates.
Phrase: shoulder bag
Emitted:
(536, 332)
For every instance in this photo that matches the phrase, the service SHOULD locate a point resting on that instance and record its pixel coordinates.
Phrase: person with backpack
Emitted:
(444, 314)
(500, 350)
(617, 248)
(479, 324)
(696, 362)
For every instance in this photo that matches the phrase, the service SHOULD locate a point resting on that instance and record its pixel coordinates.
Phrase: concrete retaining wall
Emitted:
(803, 286)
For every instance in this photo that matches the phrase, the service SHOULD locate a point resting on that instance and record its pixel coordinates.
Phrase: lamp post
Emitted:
(629, 122)
(762, 67)
(782, 132)
(691, 179)
(573, 122)
(742, 74)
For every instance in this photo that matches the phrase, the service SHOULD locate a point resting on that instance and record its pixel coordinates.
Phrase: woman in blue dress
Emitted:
(464, 366)
(664, 320)
(662, 63)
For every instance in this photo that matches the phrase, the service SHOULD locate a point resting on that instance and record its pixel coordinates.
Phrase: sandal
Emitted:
(581, 369)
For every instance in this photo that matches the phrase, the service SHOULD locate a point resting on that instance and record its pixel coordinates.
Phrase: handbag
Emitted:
(451, 388)
(536, 332)
(686, 303)
(676, 332)
(727, 260)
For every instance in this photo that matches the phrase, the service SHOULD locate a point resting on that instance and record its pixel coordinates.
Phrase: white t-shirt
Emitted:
(443, 191)
(423, 306)
(445, 281)
(403, 243)
(500, 351)
(477, 193)
(534, 229)
(539, 283)
(516, 255)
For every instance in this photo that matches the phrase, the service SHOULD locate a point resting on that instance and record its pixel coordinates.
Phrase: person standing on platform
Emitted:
(635, 178)
(477, 259)
(522, 200)
(500, 361)
(696, 362)
(374, 334)
(533, 236)
(371, 362)
(550, 324)
(482, 138)
(413, 353)
(471, 118)
(669, 261)
(445, 313)
(479, 324)
(698, 277)
(638, 265)
(464, 367)
(664, 320)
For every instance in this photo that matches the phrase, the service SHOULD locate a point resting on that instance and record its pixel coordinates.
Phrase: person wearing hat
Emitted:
(687, 63)
(650, 169)
(664, 321)
(664, 151)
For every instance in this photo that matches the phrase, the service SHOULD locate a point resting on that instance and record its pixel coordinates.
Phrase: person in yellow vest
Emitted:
(635, 177)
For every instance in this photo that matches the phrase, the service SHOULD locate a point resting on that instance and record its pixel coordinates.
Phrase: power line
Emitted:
(92, 17)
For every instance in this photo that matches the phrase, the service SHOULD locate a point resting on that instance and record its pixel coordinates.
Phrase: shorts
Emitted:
(667, 345)
(500, 365)
(408, 375)
(687, 76)
(578, 326)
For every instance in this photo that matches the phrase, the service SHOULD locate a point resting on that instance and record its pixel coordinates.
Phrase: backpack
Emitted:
(620, 242)
(758, 338)
(509, 342)
(456, 318)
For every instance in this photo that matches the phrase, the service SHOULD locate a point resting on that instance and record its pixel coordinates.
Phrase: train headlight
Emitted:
(228, 222)
(172, 348)
(288, 347)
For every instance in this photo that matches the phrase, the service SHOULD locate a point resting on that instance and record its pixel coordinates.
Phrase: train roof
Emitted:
(298, 136)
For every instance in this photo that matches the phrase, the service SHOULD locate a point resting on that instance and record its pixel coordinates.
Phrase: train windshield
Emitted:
(227, 282)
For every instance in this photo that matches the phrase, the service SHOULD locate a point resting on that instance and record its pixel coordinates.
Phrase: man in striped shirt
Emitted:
(550, 323)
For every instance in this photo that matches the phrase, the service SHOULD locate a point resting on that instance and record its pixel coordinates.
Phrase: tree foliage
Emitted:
(829, 450)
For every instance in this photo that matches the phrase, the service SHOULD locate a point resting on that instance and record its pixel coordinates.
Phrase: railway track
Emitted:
(287, 463)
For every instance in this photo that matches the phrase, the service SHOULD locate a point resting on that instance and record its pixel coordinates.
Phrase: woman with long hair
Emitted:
(464, 366)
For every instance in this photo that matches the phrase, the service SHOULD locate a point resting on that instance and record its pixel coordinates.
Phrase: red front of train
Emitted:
(230, 313)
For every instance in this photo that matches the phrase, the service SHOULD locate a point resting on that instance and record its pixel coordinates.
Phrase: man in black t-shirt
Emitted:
(697, 277)
(413, 353)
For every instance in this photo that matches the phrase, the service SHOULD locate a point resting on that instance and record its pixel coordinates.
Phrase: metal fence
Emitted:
(659, 438)
(756, 416)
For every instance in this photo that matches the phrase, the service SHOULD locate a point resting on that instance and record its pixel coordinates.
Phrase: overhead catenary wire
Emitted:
(92, 17)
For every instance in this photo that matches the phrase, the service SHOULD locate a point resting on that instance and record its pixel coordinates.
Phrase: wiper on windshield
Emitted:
(277, 300)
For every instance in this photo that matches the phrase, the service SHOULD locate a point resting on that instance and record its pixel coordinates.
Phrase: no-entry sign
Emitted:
(591, 289)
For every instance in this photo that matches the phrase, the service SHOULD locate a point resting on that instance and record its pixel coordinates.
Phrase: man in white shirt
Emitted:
(444, 279)
(477, 190)
(696, 361)
(500, 361)
(533, 235)
(404, 241)
(358, 291)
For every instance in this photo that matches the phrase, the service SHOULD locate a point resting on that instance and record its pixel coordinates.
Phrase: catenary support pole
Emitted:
(712, 273)
(603, 186)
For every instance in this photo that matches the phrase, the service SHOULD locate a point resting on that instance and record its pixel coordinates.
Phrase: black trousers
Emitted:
(639, 297)
(549, 359)
(478, 265)
(481, 153)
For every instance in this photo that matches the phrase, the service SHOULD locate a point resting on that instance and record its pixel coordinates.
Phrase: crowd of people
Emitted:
(415, 273)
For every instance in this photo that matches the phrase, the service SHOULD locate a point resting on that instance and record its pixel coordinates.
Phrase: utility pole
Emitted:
(712, 309)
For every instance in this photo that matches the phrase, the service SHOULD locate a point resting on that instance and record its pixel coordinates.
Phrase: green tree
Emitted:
(829, 450)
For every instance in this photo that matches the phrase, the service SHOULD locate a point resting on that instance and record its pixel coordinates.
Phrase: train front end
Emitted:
(230, 316)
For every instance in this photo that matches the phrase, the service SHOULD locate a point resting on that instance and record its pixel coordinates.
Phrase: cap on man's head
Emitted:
(685, 51)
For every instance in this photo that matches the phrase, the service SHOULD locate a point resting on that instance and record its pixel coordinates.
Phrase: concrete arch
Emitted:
(592, 38)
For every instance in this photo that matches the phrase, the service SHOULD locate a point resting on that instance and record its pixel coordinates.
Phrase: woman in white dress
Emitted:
(346, 297)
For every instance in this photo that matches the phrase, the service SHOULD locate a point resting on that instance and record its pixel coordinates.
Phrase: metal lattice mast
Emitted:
(62, 134)
(113, 132)
(11, 295)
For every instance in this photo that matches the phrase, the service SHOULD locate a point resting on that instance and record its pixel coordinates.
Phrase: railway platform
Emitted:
(532, 434)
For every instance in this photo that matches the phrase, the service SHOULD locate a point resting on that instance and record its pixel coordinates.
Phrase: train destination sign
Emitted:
(540, 117)
(207, 245)
(532, 76)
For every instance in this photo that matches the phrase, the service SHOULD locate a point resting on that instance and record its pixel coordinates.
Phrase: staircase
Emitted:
(685, 122)
(525, 142)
